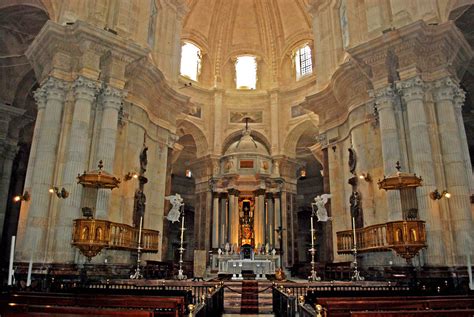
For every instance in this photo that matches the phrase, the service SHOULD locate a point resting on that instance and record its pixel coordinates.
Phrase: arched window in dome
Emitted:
(246, 72)
(303, 62)
(190, 61)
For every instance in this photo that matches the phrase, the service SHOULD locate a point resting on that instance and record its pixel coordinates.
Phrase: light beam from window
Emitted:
(246, 72)
(190, 61)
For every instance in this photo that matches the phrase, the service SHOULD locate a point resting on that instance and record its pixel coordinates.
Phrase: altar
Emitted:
(260, 266)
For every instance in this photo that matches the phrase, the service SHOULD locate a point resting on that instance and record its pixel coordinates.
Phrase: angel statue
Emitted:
(320, 201)
(177, 202)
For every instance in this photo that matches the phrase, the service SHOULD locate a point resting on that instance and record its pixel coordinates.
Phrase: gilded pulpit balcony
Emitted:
(406, 238)
(91, 236)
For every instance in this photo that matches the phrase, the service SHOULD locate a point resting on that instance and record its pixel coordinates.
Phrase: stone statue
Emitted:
(139, 206)
(227, 248)
(355, 204)
(320, 201)
(143, 159)
(219, 251)
(175, 211)
(267, 248)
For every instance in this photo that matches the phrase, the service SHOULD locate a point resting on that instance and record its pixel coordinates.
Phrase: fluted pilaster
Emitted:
(413, 93)
(390, 139)
(77, 150)
(455, 171)
(215, 221)
(270, 221)
(32, 234)
(111, 99)
(234, 216)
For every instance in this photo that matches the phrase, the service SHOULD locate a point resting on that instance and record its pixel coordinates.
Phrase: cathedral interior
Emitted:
(299, 141)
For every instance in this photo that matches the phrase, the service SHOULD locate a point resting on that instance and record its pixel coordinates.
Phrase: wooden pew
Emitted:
(418, 313)
(159, 305)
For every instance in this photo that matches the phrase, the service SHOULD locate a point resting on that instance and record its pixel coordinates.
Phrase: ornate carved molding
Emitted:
(55, 89)
(444, 89)
(85, 88)
(112, 97)
(412, 89)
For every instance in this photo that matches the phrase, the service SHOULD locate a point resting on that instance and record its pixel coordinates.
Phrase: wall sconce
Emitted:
(188, 174)
(130, 175)
(63, 193)
(25, 197)
(365, 177)
(435, 195)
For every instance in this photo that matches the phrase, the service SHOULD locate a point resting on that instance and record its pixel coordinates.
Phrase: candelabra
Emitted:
(356, 275)
(181, 276)
(314, 275)
(138, 275)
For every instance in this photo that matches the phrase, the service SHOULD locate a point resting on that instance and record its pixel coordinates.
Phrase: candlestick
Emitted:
(140, 231)
(30, 268)
(354, 231)
(469, 272)
(312, 231)
(10, 266)
(182, 230)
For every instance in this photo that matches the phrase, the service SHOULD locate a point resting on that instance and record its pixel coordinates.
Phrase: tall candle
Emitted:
(469, 271)
(140, 231)
(30, 268)
(10, 266)
(182, 230)
(312, 233)
(354, 231)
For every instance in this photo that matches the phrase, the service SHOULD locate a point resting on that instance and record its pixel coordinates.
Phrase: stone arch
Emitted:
(289, 147)
(235, 136)
(455, 8)
(187, 127)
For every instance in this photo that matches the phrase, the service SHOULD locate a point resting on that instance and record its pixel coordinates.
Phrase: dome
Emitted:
(247, 145)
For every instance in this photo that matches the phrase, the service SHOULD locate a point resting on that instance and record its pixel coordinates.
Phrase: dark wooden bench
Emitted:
(159, 305)
(73, 311)
(418, 313)
(346, 306)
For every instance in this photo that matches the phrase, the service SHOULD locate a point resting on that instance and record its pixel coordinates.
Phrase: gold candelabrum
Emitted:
(313, 277)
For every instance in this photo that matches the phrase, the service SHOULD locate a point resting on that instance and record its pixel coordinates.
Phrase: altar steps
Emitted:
(233, 297)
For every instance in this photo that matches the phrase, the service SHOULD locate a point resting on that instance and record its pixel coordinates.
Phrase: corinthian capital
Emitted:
(40, 97)
(444, 89)
(459, 97)
(55, 88)
(412, 89)
(384, 97)
(85, 88)
(112, 97)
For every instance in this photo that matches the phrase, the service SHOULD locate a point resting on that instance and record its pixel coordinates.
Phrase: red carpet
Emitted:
(249, 303)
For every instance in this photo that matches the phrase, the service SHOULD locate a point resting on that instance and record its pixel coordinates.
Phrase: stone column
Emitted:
(259, 217)
(224, 221)
(277, 217)
(218, 120)
(8, 150)
(233, 216)
(111, 100)
(385, 101)
(215, 221)
(459, 98)
(270, 220)
(77, 158)
(275, 127)
(413, 92)
(455, 172)
(33, 224)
